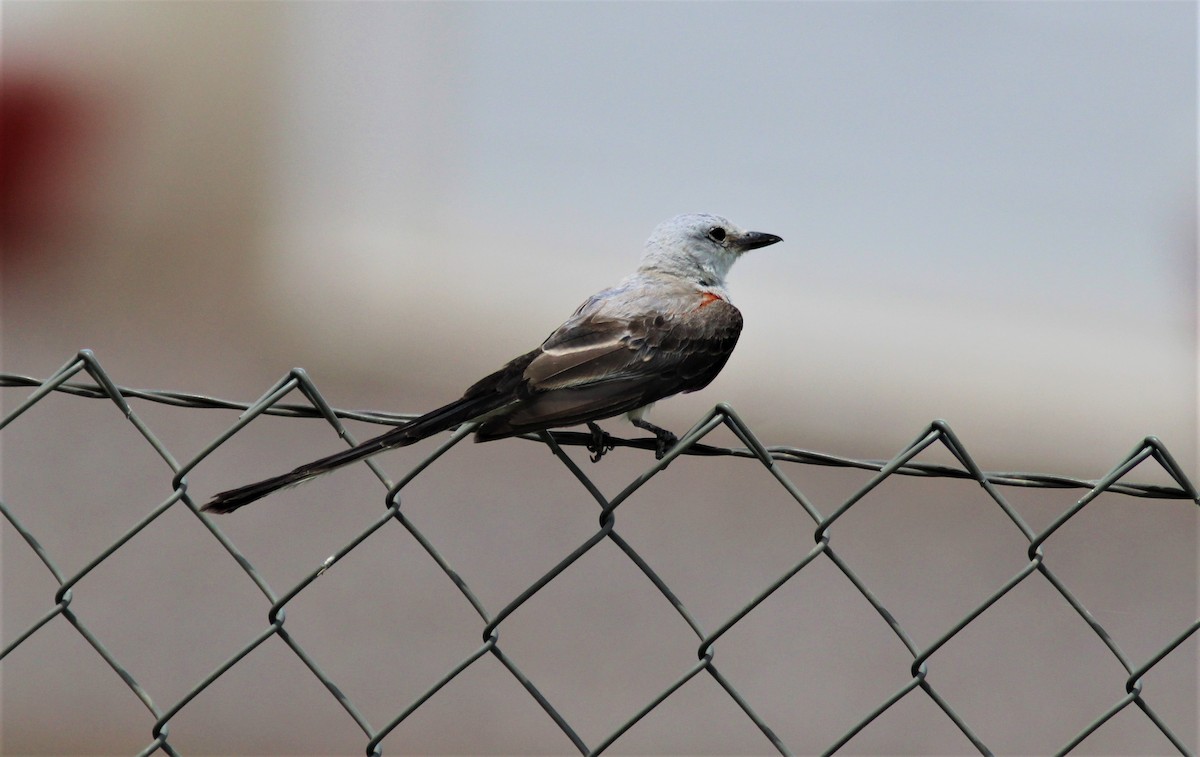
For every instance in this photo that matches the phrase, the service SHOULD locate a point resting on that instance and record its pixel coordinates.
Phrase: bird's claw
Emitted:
(663, 443)
(600, 444)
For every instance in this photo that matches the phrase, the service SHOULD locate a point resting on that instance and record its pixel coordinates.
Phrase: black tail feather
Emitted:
(228, 501)
(431, 423)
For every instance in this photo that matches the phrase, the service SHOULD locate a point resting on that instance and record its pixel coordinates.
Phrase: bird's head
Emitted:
(700, 246)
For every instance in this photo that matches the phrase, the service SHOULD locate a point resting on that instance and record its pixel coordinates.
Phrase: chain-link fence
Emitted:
(1135, 692)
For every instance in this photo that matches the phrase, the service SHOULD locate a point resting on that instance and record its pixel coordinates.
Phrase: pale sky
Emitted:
(998, 195)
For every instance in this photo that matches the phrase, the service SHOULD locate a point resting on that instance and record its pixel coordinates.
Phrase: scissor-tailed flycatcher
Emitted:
(668, 328)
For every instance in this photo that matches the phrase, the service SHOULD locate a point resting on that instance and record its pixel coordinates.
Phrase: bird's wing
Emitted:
(597, 365)
(669, 344)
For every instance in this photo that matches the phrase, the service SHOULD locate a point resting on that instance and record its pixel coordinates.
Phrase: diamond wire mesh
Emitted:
(937, 433)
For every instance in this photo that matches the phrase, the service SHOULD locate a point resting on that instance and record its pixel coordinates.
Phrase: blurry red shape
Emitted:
(42, 123)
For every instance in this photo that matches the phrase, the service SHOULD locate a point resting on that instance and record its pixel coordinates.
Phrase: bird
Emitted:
(667, 328)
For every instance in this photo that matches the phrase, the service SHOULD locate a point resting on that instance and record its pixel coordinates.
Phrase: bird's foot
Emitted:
(663, 440)
(600, 444)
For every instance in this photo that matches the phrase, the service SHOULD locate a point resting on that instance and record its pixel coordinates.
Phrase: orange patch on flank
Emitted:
(707, 298)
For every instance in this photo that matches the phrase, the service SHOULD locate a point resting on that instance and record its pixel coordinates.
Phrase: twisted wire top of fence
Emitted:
(580, 439)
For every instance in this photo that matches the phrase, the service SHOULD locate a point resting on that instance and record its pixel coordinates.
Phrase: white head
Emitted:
(699, 246)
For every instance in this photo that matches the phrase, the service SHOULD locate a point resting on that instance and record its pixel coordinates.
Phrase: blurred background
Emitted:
(989, 215)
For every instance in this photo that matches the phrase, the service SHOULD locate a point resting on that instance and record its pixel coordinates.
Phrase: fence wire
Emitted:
(938, 433)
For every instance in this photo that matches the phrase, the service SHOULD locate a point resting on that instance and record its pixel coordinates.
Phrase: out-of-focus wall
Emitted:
(145, 239)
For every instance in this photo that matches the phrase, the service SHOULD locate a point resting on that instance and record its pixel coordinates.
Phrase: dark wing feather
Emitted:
(600, 368)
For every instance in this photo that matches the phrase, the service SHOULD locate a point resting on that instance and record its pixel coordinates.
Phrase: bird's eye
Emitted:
(717, 234)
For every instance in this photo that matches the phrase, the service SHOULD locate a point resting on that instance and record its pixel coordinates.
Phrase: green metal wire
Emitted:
(492, 622)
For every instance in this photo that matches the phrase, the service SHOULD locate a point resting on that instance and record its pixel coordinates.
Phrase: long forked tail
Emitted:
(431, 423)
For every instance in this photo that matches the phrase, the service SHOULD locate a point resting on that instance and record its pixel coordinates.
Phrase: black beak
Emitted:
(752, 240)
